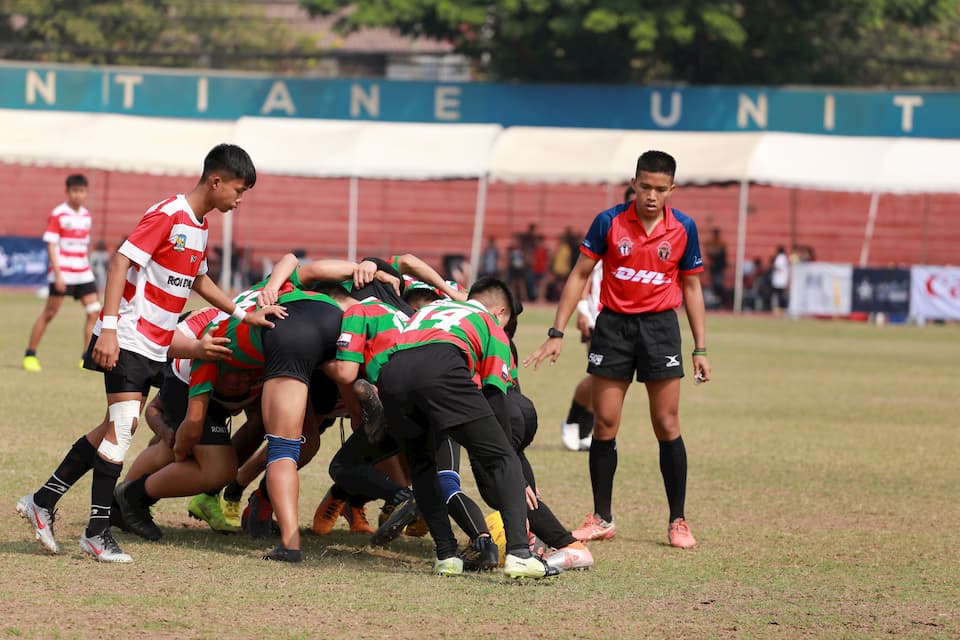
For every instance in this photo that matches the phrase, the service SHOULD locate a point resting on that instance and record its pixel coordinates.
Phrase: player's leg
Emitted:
(50, 310)
(284, 403)
(464, 511)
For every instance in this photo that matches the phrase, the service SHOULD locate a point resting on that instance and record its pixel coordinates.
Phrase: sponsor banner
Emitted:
(23, 261)
(935, 292)
(820, 289)
(228, 96)
(881, 291)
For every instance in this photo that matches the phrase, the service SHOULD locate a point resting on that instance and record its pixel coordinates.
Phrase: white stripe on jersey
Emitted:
(70, 231)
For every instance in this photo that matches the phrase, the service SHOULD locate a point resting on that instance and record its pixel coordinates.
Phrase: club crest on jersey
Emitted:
(179, 242)
(663, 251)
(344, 340)
(625, 246)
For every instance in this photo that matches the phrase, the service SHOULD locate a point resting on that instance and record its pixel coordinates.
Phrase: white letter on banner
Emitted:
(128, 82)
(278, 98)
(829, 112)
(203, 92)
(756, 112)
(656, 108)
(369, 102)
(446, 103)
(907, 103)
(46, 88)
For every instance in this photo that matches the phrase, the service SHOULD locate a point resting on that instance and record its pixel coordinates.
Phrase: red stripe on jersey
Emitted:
(129, 290)
(153, 333)
(186, 261)
(166, 301)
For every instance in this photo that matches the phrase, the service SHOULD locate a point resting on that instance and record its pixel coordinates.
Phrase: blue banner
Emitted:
(23, 261)
(881, 291)
(198, 94)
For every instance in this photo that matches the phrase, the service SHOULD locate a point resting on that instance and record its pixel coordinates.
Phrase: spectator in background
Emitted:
(717, 259)
(490, 261)
(779, 280)
(559, 267)
(516, 272)
(539, 267)
(99, 259)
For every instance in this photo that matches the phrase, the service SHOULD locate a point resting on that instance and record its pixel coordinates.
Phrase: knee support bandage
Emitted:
(279, 448)
(123, 415)
(449, 482)
(93, 307)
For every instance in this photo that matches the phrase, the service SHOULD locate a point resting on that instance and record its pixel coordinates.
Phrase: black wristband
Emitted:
(554, 333)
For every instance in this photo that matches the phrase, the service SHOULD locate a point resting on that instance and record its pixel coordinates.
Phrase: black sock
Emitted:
(337, 493)
(233, 492)
(673, 468)
(29, 352)
(214, 494)
(136, 492)
(576, 413)
(105, 476)
(586, 425)
(74, 466)
(603, 465)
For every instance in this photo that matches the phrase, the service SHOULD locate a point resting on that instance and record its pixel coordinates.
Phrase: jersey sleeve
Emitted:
(594, 245)
(152, 230)
(52, 232)
(494, 365)
(203, 377)
(353, 335)
(692, 260)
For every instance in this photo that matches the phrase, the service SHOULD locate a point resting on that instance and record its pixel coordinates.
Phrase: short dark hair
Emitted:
(488, 286)
(230, 161)
(76, 180)
(629, 192)
(420, 296)
(333, 289)
(657, 162)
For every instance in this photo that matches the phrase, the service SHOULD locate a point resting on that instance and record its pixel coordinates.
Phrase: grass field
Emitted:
(822, 491)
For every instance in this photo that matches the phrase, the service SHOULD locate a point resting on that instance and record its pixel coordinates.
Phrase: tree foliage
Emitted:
(697, 41)
(162, 32)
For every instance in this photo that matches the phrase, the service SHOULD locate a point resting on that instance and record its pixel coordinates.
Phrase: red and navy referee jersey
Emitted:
(641, 273)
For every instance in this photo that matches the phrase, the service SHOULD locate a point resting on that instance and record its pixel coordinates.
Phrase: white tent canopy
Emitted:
(362, 149)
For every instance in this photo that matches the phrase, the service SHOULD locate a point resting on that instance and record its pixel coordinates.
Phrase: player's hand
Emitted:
(210, 348)
(258, 318)
(187, 435)
(386, 278)
(549, 349)
(106, 351)
(364, 273)
(166, 435)
(460, 295)
(701, 368)
(268, 296)
(59, 285)
(533, 501)
(583, 324)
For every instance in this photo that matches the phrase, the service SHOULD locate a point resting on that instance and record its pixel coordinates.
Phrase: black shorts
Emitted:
(302, 340)
(429, 385)
(77, 291)
(174, 396)
(646, 343)
(523, 419)
(133, 373)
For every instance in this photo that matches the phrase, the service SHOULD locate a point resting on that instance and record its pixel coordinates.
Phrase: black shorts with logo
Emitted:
(174, 397)
(646, 343)
(134, 372)
(76, 291)
(305, 338)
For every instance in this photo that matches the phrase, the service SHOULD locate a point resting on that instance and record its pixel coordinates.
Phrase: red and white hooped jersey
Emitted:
(70, 229)
(168, 251)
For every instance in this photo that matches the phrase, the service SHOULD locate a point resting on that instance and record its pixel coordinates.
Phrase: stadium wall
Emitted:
(433, 218)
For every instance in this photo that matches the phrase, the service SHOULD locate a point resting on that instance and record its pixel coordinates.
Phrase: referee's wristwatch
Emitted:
(554, 333)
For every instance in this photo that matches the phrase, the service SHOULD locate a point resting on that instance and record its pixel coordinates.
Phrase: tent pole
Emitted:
(353, 218)
(868, 232)
(741, 246)
(478, 220)
(226, 276)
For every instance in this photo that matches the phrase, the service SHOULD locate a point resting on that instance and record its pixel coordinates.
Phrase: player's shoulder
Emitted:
(686, 221)
(608, 215)
(174, 206)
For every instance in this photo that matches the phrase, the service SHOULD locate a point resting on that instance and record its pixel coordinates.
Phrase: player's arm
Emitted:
(153, 414)
(191, 429)
(107, 349)
(209, 291)
(53, 255)
(697, 317)
(569, 298)
(282, 271)
(411, 265)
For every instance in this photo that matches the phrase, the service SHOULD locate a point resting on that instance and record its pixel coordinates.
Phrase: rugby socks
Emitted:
(673, 468)
(29, 352)
(233, 492)
(467, 515)
(105, 476)
(546, 526)
(75, 465)
(603, 465)
(578, 414)
(136, 491)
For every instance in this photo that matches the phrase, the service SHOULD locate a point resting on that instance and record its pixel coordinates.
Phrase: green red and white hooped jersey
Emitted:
(469, 327)
(368, 330)
(69, 229)
(168, 250)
